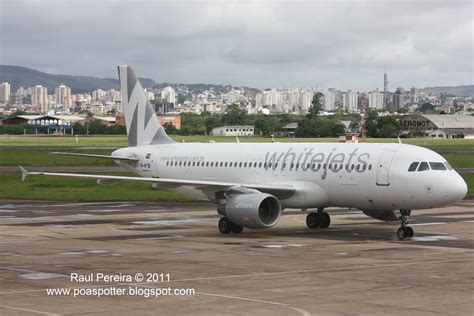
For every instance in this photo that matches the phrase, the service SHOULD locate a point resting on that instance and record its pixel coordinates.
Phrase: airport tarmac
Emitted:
(357, 266)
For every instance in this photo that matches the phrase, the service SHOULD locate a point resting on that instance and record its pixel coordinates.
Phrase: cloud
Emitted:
(342, 44)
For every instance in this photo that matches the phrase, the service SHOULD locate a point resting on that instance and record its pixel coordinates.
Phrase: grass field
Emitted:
(121, 141)
(53, 188)
(43, 158)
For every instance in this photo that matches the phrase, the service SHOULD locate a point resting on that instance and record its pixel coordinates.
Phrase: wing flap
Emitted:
(279, 190)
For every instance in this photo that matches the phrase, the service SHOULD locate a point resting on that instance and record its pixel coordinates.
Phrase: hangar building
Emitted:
(438, 125)
(45, 123)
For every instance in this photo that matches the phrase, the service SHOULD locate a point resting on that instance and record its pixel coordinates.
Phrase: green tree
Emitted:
(318, 127)
(212, 122)
(17, 112)
(234, 115)
(170, 128)
(388, 126)
(316, 105)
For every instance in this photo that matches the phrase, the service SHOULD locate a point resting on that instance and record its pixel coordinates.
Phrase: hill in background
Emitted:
(460, 91)
(25, 77)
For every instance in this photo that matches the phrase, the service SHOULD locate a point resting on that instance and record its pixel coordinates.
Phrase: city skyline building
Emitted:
(62, 96)
(329, 99)
(168, 95)
(399, 98)
(39, 96)
(375, 99)
(349, 101)
(4, 92)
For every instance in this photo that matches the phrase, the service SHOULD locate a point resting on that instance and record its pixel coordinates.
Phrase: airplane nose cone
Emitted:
(458, 189)
(462, 189)
(454, 189)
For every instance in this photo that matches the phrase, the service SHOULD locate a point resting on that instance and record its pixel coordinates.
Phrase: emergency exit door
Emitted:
(383, 168)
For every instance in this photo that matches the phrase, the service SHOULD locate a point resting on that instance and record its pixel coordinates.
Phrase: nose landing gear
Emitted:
(405, 231)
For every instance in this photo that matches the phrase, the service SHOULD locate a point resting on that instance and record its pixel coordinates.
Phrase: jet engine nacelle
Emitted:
(253, 210)
(384, 215)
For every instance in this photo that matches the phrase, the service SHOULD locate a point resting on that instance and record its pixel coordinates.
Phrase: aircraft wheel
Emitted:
(401, 233)
(324, 220)
(225, 226)
(410, 231)
(236, 229)
(312, 220)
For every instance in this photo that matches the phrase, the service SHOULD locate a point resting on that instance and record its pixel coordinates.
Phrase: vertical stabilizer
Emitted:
(143, 127)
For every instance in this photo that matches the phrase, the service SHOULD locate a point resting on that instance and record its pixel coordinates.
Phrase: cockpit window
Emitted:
(423, 166)
(448, 165)
(413, 166)
(437, 166)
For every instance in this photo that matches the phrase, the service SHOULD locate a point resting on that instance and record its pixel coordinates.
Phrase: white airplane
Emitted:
(252, 183)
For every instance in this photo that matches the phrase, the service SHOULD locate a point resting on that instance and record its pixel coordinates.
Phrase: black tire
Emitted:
(324, 220)
(410, 232)
(225, 226)
(402, 233)
(236, 229)
(312, 220)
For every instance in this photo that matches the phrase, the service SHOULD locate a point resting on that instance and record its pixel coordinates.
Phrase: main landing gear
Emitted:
(318, 219)
(227, 227)
(405, 231)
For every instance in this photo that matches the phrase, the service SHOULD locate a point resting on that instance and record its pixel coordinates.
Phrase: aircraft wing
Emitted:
(279, 190)
(96, 156)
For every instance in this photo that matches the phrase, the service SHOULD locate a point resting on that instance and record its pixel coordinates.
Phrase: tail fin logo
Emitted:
(143, 127)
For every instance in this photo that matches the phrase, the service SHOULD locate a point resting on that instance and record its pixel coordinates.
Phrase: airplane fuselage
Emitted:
(365, 175)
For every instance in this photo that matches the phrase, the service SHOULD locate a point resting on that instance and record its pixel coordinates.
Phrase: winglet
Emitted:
(237, 139)
(24, 173)
(399, 140)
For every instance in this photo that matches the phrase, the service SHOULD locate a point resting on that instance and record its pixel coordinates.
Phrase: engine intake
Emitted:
(253, 210)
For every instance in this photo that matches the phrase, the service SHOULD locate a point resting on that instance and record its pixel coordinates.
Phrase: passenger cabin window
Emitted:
(413, 166)
(437, 166)
(423, 166)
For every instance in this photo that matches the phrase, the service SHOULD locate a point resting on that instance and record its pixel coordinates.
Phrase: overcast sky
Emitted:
(340, 44)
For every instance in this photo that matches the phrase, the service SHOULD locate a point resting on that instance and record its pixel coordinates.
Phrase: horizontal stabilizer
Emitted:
(96, 156)
(24, 173)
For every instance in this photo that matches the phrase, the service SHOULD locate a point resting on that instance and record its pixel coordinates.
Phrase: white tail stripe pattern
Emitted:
(143, 127)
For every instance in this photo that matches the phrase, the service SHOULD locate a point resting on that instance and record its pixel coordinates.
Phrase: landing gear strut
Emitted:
(227, 227)
(405, 231)
(318, 219)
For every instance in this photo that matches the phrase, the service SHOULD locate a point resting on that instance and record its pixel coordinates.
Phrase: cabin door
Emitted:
(383, 168)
